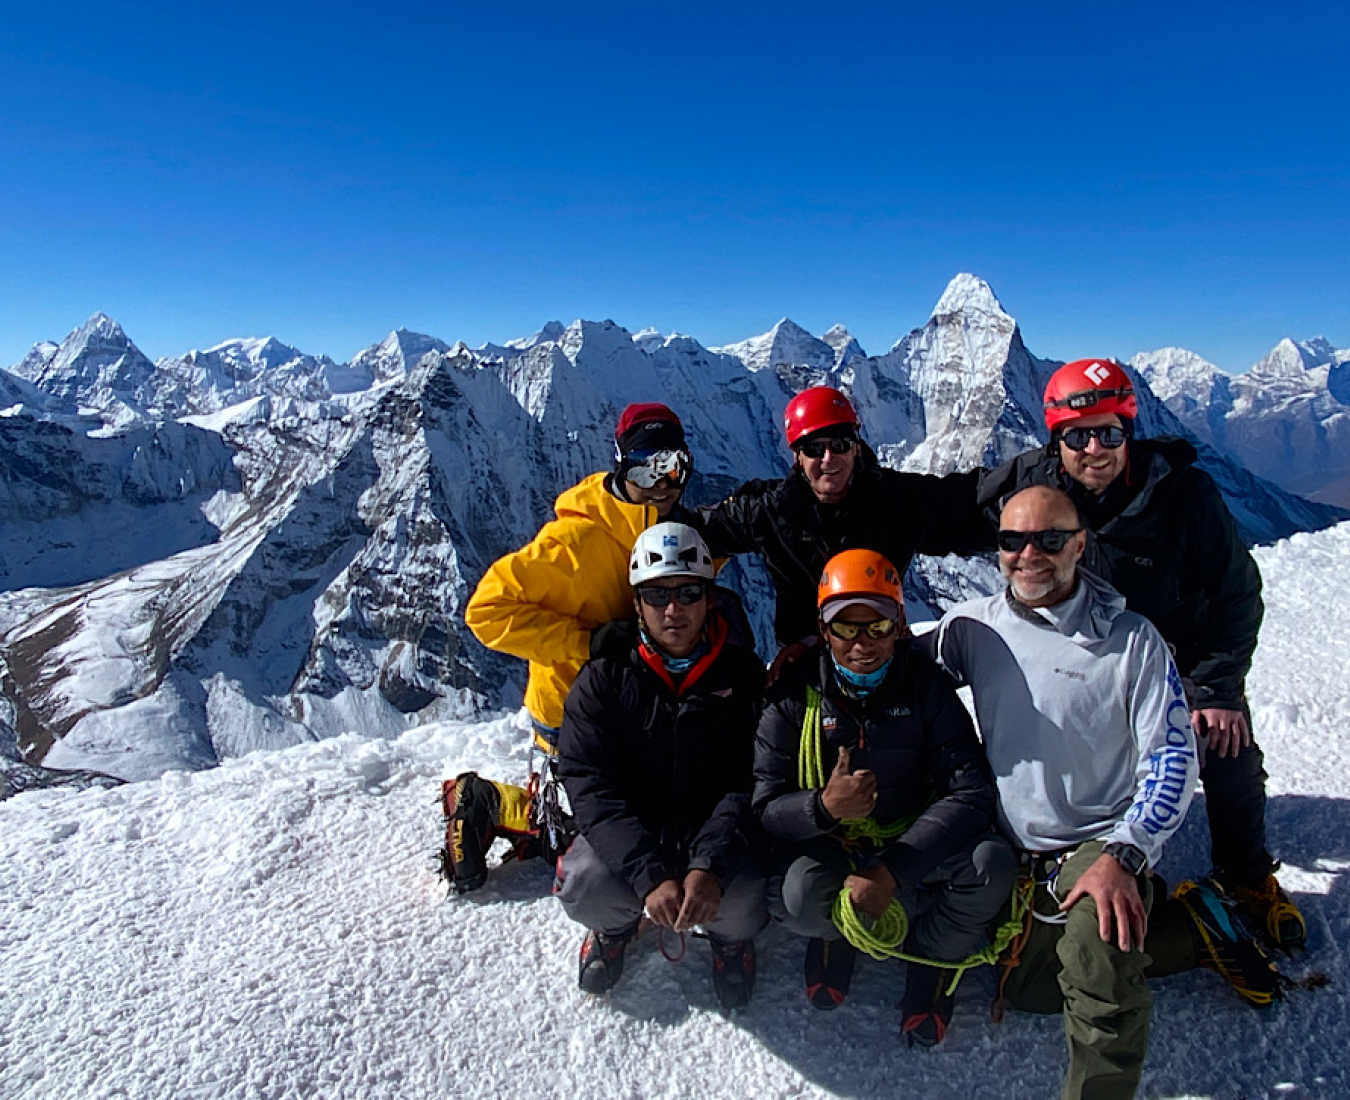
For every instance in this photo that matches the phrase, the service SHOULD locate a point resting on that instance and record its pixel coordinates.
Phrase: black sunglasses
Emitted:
(1050, 541)
(816, 448)
(877, 628)
(1108, 435)
(684, 593)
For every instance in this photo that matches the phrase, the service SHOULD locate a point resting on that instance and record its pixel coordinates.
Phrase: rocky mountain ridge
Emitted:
(248, 547)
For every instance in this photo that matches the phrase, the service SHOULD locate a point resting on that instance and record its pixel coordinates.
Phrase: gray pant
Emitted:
(950, 914)
(594, 896)
(1101, 989)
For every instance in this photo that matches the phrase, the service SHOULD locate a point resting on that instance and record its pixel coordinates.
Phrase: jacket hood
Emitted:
(1087, 615)
(1154, 459)
(591, 502)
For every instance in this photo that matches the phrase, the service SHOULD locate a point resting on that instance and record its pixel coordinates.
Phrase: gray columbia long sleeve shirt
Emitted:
(1082, 715)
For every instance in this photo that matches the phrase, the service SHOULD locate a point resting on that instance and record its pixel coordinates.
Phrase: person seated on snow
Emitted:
(1160, 533)
(869, 774)
(1086, 726)
(655, 756)
(542, 603)
(836, 497)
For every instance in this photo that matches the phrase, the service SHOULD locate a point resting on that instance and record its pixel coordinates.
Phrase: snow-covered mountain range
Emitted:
(1287, 419)
(252, 547)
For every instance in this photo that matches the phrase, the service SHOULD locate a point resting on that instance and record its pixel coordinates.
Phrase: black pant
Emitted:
(1235, 800)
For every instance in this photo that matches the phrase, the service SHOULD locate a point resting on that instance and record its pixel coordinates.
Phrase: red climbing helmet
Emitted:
(1087, 387)
(817, 408)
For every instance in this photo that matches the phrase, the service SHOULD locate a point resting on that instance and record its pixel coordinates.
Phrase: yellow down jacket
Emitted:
(542, 601)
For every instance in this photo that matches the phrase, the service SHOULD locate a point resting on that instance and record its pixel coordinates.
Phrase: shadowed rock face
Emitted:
(292, 561)
(139, 495)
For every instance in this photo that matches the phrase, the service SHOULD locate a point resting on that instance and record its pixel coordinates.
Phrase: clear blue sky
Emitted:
(1126, 176)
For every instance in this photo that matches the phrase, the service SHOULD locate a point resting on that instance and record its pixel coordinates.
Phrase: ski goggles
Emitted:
(648, 469)
(686, 594)
(876, 629)
(816, 448)
(1108, 435)
(1050, 541)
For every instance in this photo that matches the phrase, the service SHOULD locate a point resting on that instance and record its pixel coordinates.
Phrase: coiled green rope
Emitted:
(882, 939)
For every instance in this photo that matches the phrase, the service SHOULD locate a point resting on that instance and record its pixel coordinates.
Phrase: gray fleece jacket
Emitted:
(1082, 715)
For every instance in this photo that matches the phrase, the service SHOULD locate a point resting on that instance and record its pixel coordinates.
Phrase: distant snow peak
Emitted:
(1174, 370)
(399, 352)
(253, 352)
(99, 328)
(551, 333)
(846, 347)
(603, 338)
(785, 347)
(648, 340)
(1294, 357)
(969, 294)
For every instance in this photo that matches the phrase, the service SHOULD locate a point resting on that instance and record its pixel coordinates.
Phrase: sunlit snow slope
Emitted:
(273, 928)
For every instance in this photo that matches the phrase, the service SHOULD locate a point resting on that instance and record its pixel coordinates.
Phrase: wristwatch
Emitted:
(1131, 859)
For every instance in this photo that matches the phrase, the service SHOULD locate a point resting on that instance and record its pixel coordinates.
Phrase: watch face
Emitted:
(1130, 858)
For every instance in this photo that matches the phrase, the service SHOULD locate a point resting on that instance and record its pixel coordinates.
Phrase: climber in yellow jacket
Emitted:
(541, 602)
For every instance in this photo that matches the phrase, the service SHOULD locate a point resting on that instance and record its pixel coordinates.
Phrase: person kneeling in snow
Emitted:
(542, 603)
(1089, 734)
(655, 756)
(868, 770)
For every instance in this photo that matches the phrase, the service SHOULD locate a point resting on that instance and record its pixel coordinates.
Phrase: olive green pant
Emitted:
(1100, 989)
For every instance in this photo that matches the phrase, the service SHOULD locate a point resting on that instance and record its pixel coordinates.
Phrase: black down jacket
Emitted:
(1163, 537)
(659, 777)
(896, 514)
(912, 732)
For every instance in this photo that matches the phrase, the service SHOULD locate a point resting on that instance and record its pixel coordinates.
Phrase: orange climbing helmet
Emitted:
(860, 577)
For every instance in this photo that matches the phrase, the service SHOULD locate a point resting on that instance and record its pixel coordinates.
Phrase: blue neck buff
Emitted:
(676, 666)
(861, 683)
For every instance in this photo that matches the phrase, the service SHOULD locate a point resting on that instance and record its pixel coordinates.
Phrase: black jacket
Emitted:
(893, 513)
(912, 732)
(1163, 537)
(659, 778)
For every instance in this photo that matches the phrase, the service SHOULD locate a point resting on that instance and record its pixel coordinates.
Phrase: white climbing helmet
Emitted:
(669, 550)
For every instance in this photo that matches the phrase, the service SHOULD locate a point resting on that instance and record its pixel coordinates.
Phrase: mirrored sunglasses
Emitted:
(1108, 435)
(1050, 541)
(877, 628)
(816, 448)
(647, 471)
(685, 593)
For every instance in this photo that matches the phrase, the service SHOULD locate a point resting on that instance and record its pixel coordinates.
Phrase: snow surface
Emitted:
(274, 927)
